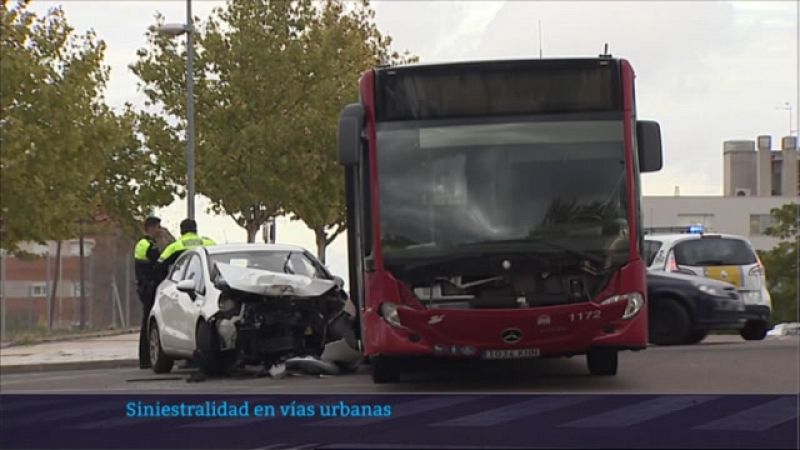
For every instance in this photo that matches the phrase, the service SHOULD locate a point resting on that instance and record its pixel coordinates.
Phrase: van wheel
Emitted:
(602, 361)
(160, 362)
(669, 323)
(754, 330)
(696, 336)
(385, 370)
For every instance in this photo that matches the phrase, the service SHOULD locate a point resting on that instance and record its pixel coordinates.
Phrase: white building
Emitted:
(745, 216)
(755, 182)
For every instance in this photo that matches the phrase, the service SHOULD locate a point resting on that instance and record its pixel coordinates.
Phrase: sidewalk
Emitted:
(120, 350)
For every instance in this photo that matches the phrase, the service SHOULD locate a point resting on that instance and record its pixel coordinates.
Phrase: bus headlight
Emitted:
(389, 314)
(635, 302)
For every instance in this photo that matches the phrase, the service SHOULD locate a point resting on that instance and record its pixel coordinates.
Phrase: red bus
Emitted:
(494, 211)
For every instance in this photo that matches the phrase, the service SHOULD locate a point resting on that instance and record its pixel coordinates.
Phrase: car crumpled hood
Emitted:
(266, 282)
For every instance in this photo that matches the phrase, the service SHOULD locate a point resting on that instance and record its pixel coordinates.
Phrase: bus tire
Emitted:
(602, 361)
(385, 370)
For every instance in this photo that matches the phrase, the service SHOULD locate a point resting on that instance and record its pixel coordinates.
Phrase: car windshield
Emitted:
(651, 250)
(711, 251)
(283, 261)
(446, 186)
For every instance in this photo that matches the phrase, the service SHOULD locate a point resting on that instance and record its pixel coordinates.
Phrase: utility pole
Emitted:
(190, 109)
(540, 39)
(174, 30)
(3, 295)
(788, 107)
(82, 276)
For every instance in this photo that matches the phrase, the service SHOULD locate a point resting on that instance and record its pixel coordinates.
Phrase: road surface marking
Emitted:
(759, 418)
(398, 410)
(512, 412)
(27, 378)
(641, 412)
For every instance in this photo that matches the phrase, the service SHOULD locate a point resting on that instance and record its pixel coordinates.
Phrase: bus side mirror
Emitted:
(351, 124)
(648, 138)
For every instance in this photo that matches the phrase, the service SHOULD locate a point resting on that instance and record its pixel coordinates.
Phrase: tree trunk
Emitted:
(52, 299)
(322, 244)
(252, 229)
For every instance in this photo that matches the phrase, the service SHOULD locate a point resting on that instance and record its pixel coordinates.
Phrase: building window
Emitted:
(759, 224)
(38, 290)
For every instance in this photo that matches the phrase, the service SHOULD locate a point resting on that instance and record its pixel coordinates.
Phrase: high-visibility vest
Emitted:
(187, 241)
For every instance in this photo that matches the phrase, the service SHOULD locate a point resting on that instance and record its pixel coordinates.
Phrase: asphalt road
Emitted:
(719, 365)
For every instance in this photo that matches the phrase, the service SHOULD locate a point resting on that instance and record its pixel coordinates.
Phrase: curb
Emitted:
(73, 337)
(75, 365)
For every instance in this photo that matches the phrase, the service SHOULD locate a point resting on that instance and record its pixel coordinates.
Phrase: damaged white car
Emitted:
(248, 304)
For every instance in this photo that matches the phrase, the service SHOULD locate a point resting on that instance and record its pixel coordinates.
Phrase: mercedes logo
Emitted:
(511, 335)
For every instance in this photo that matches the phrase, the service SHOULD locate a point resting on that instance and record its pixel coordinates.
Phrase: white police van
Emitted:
(723, 257)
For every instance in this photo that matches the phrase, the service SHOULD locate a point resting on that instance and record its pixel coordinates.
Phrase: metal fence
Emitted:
(41, 291)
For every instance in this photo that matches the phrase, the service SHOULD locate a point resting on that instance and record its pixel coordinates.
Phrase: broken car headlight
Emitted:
(227, 304)
(389, 313)
(635, 303)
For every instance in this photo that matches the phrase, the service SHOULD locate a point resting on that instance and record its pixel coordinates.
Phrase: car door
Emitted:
(168, 302)
(189, 306)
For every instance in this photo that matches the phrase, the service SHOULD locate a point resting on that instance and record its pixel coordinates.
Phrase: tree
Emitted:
(52, 124)
(250, 83)
(66, 155)
(271, 77)
(136, 176)
(341, 46)
(781, 263)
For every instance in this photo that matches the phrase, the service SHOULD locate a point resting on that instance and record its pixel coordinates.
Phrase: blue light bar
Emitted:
(696, 229)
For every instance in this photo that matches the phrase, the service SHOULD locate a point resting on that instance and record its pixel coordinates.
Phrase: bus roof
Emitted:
(552, 62)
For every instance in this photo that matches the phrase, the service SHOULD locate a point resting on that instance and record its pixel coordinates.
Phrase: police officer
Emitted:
(188, 240)
(145, 255)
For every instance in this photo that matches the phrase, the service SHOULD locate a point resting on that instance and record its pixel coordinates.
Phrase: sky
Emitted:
(707, 71)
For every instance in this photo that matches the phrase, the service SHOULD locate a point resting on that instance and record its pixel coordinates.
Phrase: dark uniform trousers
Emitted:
(146, 259)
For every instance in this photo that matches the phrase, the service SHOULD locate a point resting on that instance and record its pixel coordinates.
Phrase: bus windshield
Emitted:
(447, 185)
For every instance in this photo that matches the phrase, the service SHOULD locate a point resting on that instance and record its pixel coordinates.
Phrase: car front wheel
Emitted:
(754, 330)
(211, 360)
(696, 336)
(160, 362)
(670, 323)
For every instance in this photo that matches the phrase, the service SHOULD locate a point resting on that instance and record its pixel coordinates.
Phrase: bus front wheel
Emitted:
(602, 361)
(385, 370)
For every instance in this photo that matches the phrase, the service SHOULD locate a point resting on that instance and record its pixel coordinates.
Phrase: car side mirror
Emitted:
(648, 139)
(351, 124)
(187, 286)
(339, 281)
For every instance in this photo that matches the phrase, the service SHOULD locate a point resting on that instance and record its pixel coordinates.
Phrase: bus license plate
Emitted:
(511, 354)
